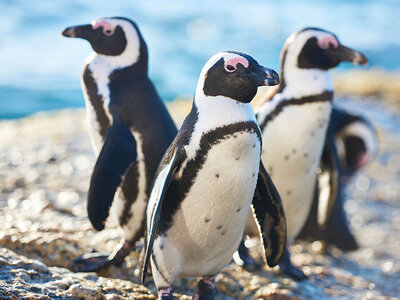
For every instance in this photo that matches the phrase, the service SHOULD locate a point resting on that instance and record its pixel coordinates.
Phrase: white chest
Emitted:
(100, 73)
(293, 145)
(210, 222)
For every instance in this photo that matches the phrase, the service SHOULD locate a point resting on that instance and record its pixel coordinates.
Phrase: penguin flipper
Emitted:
(168, 166)
(118, 152)
(328, 182)
(269, 215)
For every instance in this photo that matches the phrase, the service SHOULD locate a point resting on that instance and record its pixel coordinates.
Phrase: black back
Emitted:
(135, 101)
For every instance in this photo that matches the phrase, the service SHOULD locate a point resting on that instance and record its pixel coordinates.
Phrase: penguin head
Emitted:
(315, 48)
(356, 145)
(234, 75)
(112, 37)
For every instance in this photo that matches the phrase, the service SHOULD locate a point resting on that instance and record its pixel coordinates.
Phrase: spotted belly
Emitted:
(293, 146)
(209, 224)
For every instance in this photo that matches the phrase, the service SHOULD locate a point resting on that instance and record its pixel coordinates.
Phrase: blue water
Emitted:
(40, 70)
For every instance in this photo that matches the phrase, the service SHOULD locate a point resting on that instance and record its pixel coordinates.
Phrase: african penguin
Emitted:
(295, 120)
(355, 144)
(208, 179)
(129, 126)
(355, 140)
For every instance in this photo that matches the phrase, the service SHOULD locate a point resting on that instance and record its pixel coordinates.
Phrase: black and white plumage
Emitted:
(208, 179)
(129, 126)
(295, 119)
(354, 144)
(355, 140)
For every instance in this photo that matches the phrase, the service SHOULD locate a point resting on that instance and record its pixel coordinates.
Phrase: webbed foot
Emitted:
(165, 294)
(91, 262)
(205, 290)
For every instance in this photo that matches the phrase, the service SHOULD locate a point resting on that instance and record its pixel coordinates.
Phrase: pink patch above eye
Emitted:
(233, 63)
(326, 42)
(107, 27)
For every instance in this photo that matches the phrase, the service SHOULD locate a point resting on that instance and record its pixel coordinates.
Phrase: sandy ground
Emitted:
(45, 166)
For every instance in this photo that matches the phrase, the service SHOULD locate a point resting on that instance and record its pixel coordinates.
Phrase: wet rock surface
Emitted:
(45, 166)
(22, 277)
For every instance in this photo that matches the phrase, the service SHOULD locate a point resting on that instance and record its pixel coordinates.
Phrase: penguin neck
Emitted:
(214, 112)
(297, 83)
(102, 71)
(298, 86)
(104, 65)
(218, 111)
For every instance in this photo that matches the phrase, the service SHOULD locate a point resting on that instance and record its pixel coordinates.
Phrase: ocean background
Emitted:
(40, 69)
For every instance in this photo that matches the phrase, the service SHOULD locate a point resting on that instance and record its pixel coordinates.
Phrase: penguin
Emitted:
(294, 121)
(355, 144)
(129, 127)
(208, 180)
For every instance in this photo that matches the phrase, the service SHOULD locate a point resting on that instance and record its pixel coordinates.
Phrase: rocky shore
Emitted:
(45, 166)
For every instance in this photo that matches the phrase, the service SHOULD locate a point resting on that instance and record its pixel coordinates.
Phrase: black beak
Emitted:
(344, 53)
(272, 78)
(264, 76)
(80, 31)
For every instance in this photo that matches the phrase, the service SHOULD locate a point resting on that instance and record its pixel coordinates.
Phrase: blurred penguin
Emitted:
(355, 143)
(129, 126)
(294, 121)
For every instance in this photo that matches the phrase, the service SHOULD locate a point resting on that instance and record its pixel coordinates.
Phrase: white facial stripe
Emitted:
(131, 52)
(297, 42)
(304, 82)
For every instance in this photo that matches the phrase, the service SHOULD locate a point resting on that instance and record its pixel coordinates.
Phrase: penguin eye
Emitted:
(108, 32)
(230, 68)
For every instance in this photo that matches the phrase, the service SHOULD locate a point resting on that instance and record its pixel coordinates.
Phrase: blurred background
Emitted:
(40, 69)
